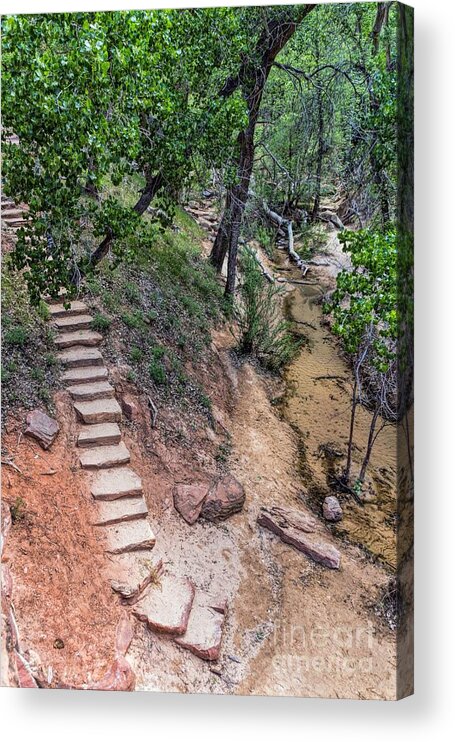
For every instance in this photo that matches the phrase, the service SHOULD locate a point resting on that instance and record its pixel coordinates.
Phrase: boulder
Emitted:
(291, 529)
(331, 509)
(225, 498)
(188, 500)
(42, 427)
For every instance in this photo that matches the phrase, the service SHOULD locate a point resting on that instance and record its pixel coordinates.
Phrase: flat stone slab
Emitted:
(204, 631)
(225, 498)
(73, 322)
(110, 484)
(99, 411)
(134, 535)
(93, 390)
(166, 607)
(295, 528)
(85, 374)
(76, 307)
(87, 338)
(103, 457)
(110, 512)
(80, 356)
(42, 427)
(100, 434)
(188, 499)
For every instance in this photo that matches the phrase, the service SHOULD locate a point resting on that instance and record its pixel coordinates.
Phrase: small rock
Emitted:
(42, 427)
(130, 408)
(224, 499)
(331, 509)
(188, 500)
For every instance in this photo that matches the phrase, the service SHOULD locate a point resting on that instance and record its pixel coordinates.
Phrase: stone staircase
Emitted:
(169, 604)
(12, 215)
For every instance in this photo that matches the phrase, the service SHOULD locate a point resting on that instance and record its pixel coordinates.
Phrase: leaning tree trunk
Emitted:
(153, 184)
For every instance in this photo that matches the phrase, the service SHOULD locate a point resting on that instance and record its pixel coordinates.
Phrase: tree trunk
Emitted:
(347, 469)
(153, 185)
(317, 196)
(371, 439)
(221, 244)
(320, 153)
(252, 79)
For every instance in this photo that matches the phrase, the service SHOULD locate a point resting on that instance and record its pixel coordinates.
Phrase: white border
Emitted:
(147, 716)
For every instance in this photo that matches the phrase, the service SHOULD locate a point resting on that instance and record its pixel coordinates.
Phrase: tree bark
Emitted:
(252, 79)
(347, 469)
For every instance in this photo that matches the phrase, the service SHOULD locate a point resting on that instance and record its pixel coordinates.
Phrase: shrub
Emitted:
(100, 322)
(261, 331)
(136, 355)
(16, 335)
(157, 372)
(133, 320)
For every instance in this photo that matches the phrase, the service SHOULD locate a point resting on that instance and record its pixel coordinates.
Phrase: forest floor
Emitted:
(293, 627)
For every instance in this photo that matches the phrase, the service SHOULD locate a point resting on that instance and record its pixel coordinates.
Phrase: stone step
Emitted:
(95, 390)
(79, 337)
(103, 457)
(85, 374)
(111, 512)
(204, 631)
(99, 411)
(102, 434)
(80, 356)
(112, 484)
(73, 322)
(166, 606)
(134, 535)
(13, 214)
(131, 574)
(75, 307)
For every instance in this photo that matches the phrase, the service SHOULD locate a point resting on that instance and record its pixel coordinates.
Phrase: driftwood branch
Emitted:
(287, 225)
(264, 270)
(153, 411)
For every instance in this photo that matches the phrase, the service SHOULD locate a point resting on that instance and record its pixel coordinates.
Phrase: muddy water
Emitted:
(317, 403)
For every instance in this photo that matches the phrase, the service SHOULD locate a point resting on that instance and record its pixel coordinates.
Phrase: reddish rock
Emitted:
(42, 427)
(286, 518)
(24, 674)
(205, 626)
(124, 635)
(331, 509)
(224, 499)
(312, 545)
(188, 499)
(120, 676)
(130, 408)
